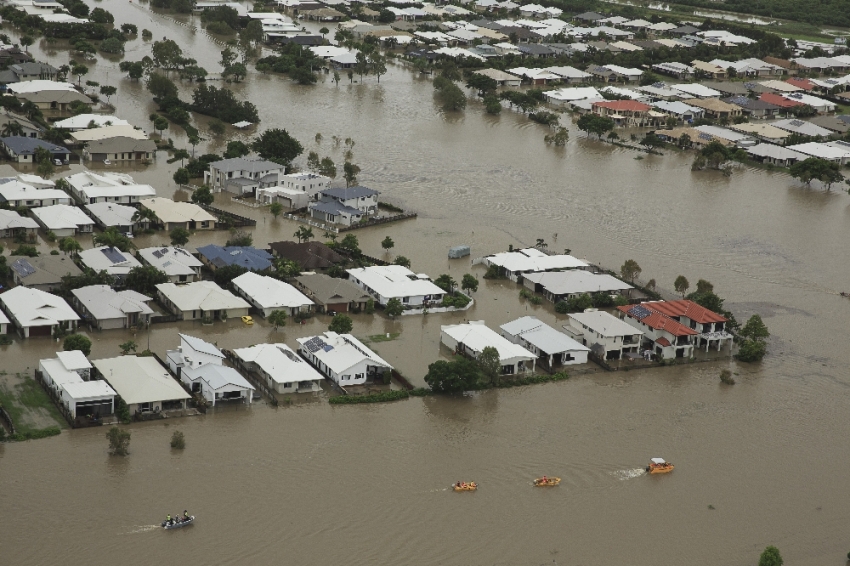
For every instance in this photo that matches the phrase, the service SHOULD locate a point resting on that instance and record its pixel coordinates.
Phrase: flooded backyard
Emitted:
(761, 462)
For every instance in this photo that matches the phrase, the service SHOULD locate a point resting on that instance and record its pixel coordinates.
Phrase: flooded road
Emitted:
(318, 484)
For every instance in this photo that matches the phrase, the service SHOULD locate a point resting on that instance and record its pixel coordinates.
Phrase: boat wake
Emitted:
(624, 475)
(142, 529)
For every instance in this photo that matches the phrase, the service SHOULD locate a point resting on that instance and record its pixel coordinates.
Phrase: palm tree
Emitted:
(303, 233)
(145, 214)
(12, 128)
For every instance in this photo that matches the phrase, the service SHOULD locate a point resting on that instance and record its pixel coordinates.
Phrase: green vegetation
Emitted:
(178, 441)
(276, 208)
(341, 324)
(179, 236)
(25, 250)
(753, 335)
(239, 238)
(224, 275)
(449, 95)
(113, 239)
(630, 270)
(530, 296)
(494, 272)
(277, 319)
(814, 169)
(383, 337)
(278, 146)
(726, 377)
(681, 285)
(595, 124)
(403, 261)
(469, 283)
(771, 557)
(128, 347)
(203, 195)
(27, 404)
(77, 342)
(460, 374)
(394, 307)
(119, 441)
(381, 397)
(456, 300)
(144, 279)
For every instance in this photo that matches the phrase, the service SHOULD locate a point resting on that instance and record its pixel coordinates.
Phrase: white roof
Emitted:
(659, 461)
(775, 152)
(625, 46)
(628, 71)
(531, 259)
(604, 324)
(104, 179)
(637, 24)
(576, 281)
(326, 51)
(216, 376)
(112, 214)
(569, 94)
(697, 90)
(813, 101)
(815, 149)
(199, 345)
(94, 389)
(32, 307)
(112, 260)
(662, 26)
(801, 127)
(74, 360)
(628, 93)
(477, 336)
(60, 375)
(201, 295)
(169, 211)
(36, 181)
(568, 72)
(457, 52)
(105, 303)
(269, 292)
(542, 336)
(723, 133)
(10, 219)
(173, 261)
(342, 351)
(62, 217)
(39, 86)
(106, 132)
(118, 191)
(534, 73)
(394, 281)
(12, 189)
(280, 362)
(613, 32)
(676, 107)
(82, 121)
(140, 379)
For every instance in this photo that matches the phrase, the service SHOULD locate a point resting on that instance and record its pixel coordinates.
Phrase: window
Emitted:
(287, 386)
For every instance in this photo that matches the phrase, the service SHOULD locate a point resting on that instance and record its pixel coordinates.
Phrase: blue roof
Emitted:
(249, 258)
(350, 192)
(26, 146)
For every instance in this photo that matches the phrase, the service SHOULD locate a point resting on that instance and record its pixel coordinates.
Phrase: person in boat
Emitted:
(544, 480)
(168, 519)
(185, 515)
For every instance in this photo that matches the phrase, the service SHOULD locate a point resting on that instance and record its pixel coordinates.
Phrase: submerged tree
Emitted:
(119, 441)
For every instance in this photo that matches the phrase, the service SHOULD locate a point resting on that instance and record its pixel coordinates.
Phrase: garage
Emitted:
(41, 330)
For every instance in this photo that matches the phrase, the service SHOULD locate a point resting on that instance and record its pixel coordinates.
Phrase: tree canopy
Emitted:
(278, 146)
(460, 374)
(814, 169)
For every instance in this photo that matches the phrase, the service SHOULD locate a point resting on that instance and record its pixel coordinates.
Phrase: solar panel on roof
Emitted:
(157, 254)
(640, 312)
(704, 136)
(315, 344)
(659, 85)
(750, 85)
(796, 123)
(23, 268)
(113, 254)
(166, 264)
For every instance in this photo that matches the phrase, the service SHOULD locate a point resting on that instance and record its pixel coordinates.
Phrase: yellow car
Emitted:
(248, 320)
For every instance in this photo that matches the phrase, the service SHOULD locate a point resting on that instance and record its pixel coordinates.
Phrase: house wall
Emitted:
(610, 343)
(210, 394)
(71, 403)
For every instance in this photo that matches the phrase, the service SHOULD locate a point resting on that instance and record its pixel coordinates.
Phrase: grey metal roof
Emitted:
(327, 289)
(334, 207)
(48, 269)
(121, 144)
(542, 336)
(350, 192)
(26, 146)
(244, 164)
(201, 345)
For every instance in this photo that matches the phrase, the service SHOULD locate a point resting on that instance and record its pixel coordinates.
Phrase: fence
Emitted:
(243, 202)
(377, 221)
(250, 376)
(403, 380)
(313, 223)
(4, 416)
(160, 318)
(228, 219)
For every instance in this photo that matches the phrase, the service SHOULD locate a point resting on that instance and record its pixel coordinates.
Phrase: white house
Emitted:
(89, 187)
(37, 313)
(343, 358)
(471, 338)
(193, 353)
(12, 224)
(173, 215)
(668, 338)
(198, 364)
(294, 190)
(241, 175)
(552, 347)
(69, 377)
(178, 264)
(281, 368)
(118, 216)
(385, 282)
(18, 193)
(4, 323)
(105, 308)
(362, 198)
(112, 260)
(606, 335)
(710, 326)
(562, 285)
(201, 299)
(143, 384)
(85, 121)
(268, 294)
(63, 220)
(530, 260)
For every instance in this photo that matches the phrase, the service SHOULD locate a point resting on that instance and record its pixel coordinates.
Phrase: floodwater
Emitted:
(762, 462)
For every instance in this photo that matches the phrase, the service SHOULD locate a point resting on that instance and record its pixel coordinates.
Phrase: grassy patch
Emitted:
(382, 397)
(383, 337)
(25, 397)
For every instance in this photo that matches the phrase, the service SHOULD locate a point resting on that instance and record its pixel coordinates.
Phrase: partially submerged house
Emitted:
(281, 368)
(198, 364)
(310, 256)
(666, 337)
(553, 348)
(562, 285)
(120, 148)
(105, 308)
(121, 217)
(112, 260)
(68, 375)
(13, 224)
(44, 272)
(177, 263)
(267, 294)
(709, 325)
(114, 188)
(331, 294)
(361, 199)
(250, 258)
(385, 282)
(241, 175)
(343, 358)
(607, 336)
(142, 383)
(516, 264)
(471, 338)
(37, 313)
(294, 190)
(185, 215)
(21, 149)
(201, 300)
(63, 220)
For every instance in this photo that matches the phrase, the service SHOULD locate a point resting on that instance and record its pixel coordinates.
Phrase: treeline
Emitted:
(828, 13)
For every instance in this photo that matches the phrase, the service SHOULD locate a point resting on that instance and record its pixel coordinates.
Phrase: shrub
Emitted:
(381, 397)
(29, 251)
(119, 441)
(177, 440)
(726, 377)
(494, 272)
(77, 342)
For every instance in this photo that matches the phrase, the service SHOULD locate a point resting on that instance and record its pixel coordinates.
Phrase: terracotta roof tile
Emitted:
(621, 105)
(802, 83)
(657, 320)
(780, 101)
(685, 308)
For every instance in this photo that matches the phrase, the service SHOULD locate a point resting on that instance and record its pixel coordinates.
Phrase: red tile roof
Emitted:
(685, 308)
(662, 341)
(660, 321)
(623, 105)
(780, 101)
(802, 83)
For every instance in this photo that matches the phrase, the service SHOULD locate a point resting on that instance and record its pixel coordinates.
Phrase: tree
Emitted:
(814, 169)
(481, 83)
(119, 441)
(236, 148)
(179, 236)
(161, 86)
(166, 54)
(108, 91)
(77, 342)
(160, 124)
(180, 154)
(237, 70)
(403, 261)
(446, 283)
(630, 270)
(349, 173)
(194, 140)
(224, 275)
(458, 375)
(276, 208)
(203, 195)
(327, 167)
(112, 238)
(277, 318)
(12, 128)
(394, 307)
(144, 279)
(469, 283)
(178, 441)
(313, 161)
(278, 146)
(350, 244)
(704, 287)
(681, 285)
(44, 159)
(387, 243)
(771, 557)
(69, 245)
(451, 97)
(112, 45)
(101, 16)
(127, 347)
(377, 64)
(79, 71)
(324, 31)
(341, 324)
(490, 364)
(286, 269)
(181, 176)
(595, 124)
(217, 127)
(240, 238)
(492, 104)
(129, 29)
(26, 41)
(361, 65)
(304, 233)
(754, 329)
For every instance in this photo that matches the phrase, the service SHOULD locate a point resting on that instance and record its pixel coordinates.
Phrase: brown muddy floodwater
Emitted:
(315, 484)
